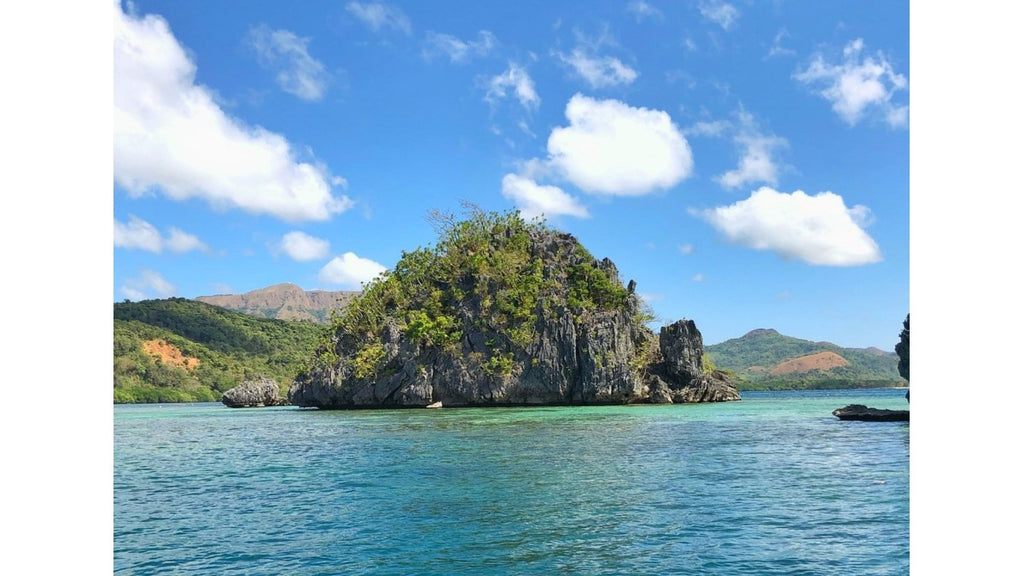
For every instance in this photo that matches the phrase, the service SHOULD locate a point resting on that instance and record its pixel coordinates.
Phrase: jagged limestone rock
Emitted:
(500, 313)
(253, 393)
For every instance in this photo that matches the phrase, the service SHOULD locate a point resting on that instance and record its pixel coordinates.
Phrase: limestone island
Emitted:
(255, 393)
(503, 312)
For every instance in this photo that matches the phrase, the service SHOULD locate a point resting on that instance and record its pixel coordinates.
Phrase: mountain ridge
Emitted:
(284, 301)
(764, 358)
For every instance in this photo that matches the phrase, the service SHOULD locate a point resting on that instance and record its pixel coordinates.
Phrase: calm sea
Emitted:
(773, 484)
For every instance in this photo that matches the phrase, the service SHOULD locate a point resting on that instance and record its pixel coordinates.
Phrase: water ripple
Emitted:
(771, 485)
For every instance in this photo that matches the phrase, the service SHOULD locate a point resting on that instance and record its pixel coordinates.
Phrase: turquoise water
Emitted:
(773, 484)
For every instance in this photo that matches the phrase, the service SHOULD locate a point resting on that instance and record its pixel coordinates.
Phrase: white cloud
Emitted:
(459, 51)
(599, 72)
(141, 235)
(132, 293)
(298, 73)
(377, 15)
(519, 82)
(719, 12)
(303, 247)
(777, 49)
(534, 200)
(697, 278)
(137, 234)
(170, 134)
(858, 85)
(149, 282)
(642, 10)
(651, 297)
(757, 163)
(708, 128)
(818, 229)
(525, 128)
(612, 148)
(350, 271)
(686, 249)
(179, 241)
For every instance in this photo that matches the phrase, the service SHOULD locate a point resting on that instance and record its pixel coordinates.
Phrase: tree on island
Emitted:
(903, 351)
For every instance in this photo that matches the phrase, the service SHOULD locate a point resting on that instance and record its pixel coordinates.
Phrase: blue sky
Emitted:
(747, 163)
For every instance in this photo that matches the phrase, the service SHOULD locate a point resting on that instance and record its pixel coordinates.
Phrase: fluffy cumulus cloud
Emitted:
(378, 16)
(598, 71)
(757, 163)
(170, 135)
(818, 229)
(303, 247)
(350, 271)
(298, 73)
(719, 12)
(858, 85)
(149, 284)
(534, 199)
(615, 149)
(514, 81)
(137, 234)
(459, 51)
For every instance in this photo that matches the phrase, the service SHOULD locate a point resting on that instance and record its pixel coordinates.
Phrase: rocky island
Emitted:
(503, 312)
(256, 393)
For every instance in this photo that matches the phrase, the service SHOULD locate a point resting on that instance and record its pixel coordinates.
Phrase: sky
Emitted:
(747, 163)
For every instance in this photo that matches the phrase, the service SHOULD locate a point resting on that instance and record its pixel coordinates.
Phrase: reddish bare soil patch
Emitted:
(817, 361)
(169, 354)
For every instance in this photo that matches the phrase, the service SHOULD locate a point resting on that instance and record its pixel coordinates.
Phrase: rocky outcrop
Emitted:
(679, 375)
(578, 338)
(863, 413)
(254, 393)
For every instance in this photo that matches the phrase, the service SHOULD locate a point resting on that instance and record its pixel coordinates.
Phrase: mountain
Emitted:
(179, 350)
(284, 302)
(765, 359)
(504, 312)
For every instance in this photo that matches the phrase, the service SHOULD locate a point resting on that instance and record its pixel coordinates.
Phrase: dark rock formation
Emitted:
(903, 350)
(679, 376)
(862, 412)
(254, 393)
(578, 338)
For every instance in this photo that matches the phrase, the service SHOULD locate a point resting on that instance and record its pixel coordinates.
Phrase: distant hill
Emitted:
(284, 302)
(179, 350)
(764, 359)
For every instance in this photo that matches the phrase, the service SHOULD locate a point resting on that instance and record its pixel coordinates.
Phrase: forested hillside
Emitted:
(180, 350)
(765, 359)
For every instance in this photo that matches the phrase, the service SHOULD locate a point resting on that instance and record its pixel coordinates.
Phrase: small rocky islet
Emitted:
(504, 312)
(864, 413)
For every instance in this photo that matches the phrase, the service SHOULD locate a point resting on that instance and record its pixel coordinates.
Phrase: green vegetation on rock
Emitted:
(475, 304)
(179, 350)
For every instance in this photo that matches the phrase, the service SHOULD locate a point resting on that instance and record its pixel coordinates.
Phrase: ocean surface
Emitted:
(773, 484)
